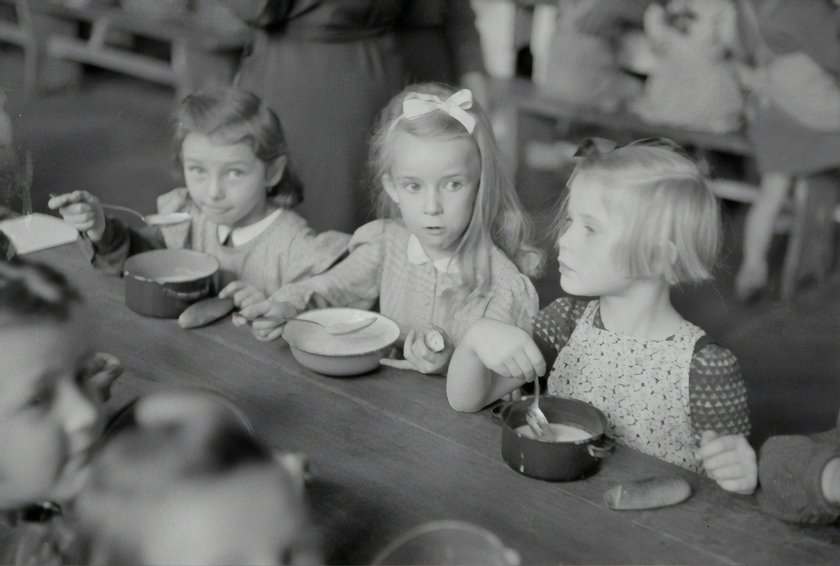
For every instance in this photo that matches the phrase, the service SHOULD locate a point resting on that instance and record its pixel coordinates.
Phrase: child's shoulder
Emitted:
(383, 231)
(709, 354)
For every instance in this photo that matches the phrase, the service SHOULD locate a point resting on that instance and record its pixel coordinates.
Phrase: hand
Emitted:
(266, 318)
(505, 349)
(243, 294)
(729, 460)
(83, 211)
(419, 356)
(104, 369)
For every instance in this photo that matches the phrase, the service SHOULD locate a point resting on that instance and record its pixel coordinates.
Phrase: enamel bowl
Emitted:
(344, 355)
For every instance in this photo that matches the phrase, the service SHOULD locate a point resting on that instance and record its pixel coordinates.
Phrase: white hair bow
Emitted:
(416, 104)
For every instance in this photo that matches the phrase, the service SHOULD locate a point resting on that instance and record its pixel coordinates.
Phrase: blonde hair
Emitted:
(670, 215)
(497, 217)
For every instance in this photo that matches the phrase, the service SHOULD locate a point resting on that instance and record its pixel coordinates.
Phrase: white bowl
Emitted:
(346, 354)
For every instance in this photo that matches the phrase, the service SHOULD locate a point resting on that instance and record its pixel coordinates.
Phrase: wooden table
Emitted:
(388, 454)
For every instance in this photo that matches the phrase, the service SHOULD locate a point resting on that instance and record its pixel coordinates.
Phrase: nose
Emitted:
(215, 189)
(431, 202)
(78, 412)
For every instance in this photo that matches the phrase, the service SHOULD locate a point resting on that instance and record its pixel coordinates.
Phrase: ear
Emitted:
(274, 172)
(390, 188)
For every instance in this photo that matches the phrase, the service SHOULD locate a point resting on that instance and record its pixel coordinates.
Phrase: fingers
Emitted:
(239, 320)
(269, 336)
(707, 436)
(535, 357)
(743, 486)
(730, 461)
(717, 445)
(71, 198)
(243, 294)
(232, 288)
(255, 311)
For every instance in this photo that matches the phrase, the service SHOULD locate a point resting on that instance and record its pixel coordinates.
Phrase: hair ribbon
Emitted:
(417, 104)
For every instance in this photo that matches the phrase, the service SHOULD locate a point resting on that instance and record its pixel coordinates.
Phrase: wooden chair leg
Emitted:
(810, 249)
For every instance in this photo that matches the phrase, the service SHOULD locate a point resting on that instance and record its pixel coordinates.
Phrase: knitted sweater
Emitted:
(790, 476)
(287, 251)
(412, 293)
(717, 394)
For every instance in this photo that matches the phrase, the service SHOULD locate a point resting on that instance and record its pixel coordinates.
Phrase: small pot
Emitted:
(162, 283)
(549, 460)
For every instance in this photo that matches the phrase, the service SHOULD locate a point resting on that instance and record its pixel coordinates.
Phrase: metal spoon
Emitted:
(536, 418)
(340, 328)
(153, 219)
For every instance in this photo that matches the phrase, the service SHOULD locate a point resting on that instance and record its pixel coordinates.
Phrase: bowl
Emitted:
(448, 542)
(162, 283)
(554, 460)
(344, 355)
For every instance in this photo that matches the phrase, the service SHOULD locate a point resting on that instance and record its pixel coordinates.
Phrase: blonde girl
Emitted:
(452, 245)
(637, 220)
(238, 197)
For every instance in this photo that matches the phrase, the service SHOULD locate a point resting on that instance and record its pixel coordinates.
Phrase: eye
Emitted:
(195, 169)
(412, 187)
(454, 185)
(236, 173)
(41, 400)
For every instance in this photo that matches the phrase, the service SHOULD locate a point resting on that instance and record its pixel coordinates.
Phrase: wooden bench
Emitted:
(814, 204)
(201, 52)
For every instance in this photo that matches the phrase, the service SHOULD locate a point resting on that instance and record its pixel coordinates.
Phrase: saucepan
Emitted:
(162, 283)
(581, 439)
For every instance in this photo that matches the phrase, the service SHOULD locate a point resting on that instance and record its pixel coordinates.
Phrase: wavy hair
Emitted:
(230, 115)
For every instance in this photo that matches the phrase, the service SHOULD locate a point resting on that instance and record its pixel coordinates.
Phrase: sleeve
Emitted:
(717, 392)
(310, 253)
(515, 303)
(554, 324)
(354, 282)
(117, 244)
(462, 38)
(790, 477)
(260, 13)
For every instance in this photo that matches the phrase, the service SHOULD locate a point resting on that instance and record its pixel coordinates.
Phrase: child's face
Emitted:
(251, 517)
(227, 181)
(434, 182)
(587, 248)
(48, 422)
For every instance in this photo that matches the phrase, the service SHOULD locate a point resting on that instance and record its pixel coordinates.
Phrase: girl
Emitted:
(636, 221)
(180, 480)
(449, 243)
(52, 385)
(238, 195)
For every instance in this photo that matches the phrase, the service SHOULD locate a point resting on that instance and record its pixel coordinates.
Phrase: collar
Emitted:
(239, 236)
(418, 256)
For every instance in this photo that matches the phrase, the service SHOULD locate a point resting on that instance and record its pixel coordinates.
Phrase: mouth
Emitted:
(434, 229)
(214, 209)
(564, 268)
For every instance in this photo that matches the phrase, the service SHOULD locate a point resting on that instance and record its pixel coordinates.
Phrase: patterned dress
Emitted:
(658, 395)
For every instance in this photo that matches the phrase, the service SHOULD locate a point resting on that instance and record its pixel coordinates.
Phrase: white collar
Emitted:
(418, 256)
(245, 234)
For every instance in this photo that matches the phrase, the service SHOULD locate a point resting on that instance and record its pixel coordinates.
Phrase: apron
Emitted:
(641, 386)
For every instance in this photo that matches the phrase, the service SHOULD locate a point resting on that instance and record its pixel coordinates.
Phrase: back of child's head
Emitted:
(498, 215)
(229, 115)
(31, 291)
(198, 472)
(662, 198)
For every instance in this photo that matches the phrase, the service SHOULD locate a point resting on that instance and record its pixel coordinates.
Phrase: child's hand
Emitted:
(425, 351)
(729, 460)
(266, 318)
(103, 370)
(831, 481)
(505, 349)
(83, 211)
(243, 294)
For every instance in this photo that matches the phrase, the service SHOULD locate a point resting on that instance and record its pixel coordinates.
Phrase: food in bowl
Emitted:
(340, 355)
(560, 432)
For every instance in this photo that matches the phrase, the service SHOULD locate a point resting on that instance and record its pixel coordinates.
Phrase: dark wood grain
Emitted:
(388, 453)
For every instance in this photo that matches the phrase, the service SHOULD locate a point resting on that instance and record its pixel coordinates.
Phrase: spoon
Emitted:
(151, 219)
(340, 328)
(536, 418)
(160, 219)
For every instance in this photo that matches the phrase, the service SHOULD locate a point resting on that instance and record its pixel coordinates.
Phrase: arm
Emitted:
(800, 477)
(492, 360)
(310, 253)
(720, 417)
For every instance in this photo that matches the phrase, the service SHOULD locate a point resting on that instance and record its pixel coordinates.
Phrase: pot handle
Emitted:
(500, 410)
(602, 447)
(188, 296)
